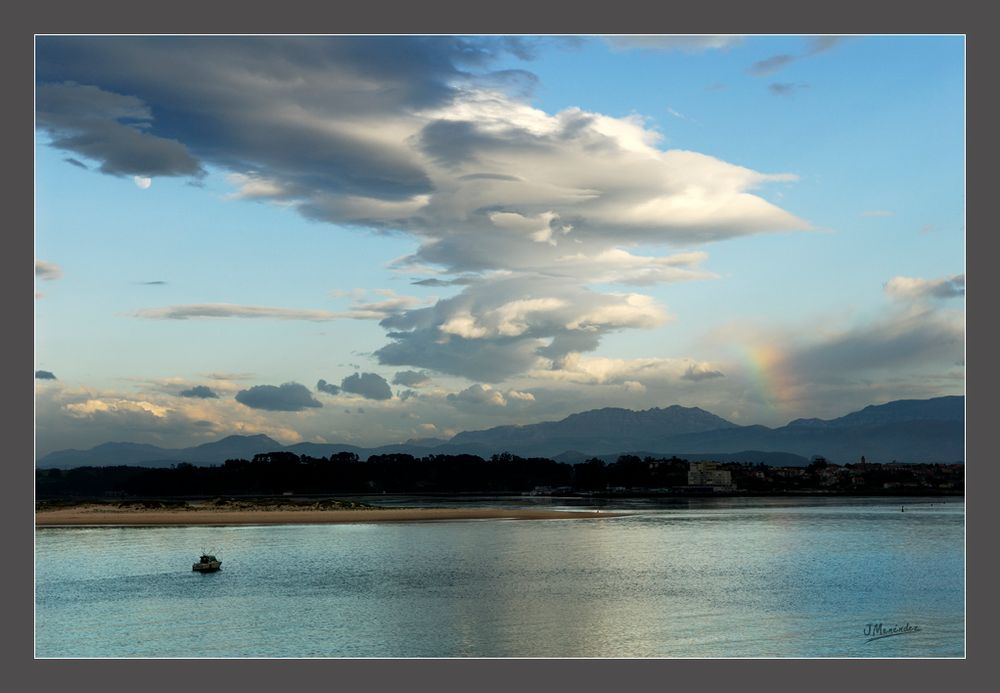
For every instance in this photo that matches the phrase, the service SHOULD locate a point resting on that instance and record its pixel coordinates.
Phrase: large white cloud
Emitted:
(543, 207)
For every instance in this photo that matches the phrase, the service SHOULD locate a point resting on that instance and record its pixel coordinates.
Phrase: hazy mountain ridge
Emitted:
(597, 430)
(902, 410)
(903, 430)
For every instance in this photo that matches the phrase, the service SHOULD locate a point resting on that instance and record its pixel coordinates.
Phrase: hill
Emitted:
(931, 430)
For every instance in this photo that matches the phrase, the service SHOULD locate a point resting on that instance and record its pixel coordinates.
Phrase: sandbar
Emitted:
(114, 517)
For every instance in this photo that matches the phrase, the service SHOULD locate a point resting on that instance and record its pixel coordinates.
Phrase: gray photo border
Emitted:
(293, 16)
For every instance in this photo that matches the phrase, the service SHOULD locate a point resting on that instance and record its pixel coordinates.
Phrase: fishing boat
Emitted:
(207, 564)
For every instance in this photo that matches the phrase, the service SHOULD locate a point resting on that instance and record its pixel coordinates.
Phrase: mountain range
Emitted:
(931, 430)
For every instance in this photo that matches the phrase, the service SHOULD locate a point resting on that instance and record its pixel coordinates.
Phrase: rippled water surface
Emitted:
(710, 578)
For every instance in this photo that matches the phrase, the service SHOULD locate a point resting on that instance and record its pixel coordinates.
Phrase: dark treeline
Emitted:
(282, 472)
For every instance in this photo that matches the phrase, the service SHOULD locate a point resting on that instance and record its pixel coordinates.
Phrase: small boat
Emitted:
(207, 564)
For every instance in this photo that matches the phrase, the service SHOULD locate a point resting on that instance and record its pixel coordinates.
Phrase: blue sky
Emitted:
(766, 227)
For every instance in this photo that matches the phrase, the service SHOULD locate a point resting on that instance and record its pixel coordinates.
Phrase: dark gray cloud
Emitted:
(490, 176)
(815, 46)
(47, 271)
(410, 378)
(199, 391)
(821, 44)
(256, 103)
(768, 66)
(457, 281)
(368, 385)
(110, 128)
(77, 163)
(911, 339)
(389, 304)
(286, 397)
(785, 88)
(328, 388)
(228, 310)
(44, 375)
(488, 361)
(157, 282)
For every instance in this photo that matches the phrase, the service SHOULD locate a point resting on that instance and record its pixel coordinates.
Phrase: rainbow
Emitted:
(767, 378)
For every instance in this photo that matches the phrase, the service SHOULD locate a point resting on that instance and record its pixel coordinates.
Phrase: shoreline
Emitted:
(105, 517)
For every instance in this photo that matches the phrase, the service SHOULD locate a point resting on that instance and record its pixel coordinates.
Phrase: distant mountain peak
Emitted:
(247, 437)
(598, 430)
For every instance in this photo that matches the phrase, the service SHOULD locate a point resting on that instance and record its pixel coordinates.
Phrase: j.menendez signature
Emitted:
(877, 631)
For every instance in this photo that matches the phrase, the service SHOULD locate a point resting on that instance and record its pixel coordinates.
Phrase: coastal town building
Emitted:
(710, 476)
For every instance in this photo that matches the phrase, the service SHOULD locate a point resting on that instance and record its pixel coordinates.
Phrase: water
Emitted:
(683, 578)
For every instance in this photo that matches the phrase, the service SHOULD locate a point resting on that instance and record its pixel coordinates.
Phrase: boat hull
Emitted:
(206, 567)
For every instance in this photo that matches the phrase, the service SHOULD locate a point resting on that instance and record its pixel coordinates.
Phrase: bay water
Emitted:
(740, 577)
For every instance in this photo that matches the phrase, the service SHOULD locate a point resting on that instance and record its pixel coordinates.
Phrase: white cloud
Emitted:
(506, 325)
(635, 310)
(521, 396)
(701, 371)
(252, 187)
(915, 288)
(90, 407)
(619, 266)
(507, 320)
(575, 368)
(486, 395)
(573, 183)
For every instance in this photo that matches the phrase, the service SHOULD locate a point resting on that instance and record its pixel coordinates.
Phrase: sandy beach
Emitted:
(83, 516)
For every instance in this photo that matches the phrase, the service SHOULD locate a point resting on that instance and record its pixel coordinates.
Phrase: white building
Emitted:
(710, 474)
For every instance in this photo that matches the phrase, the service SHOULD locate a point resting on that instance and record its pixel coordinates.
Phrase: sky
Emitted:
(369, 239)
